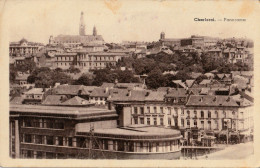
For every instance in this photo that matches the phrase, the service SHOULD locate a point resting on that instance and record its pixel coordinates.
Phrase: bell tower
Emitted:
(82, 25)
(94, 31)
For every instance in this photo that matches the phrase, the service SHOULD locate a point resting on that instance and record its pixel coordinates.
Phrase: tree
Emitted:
(182, 75)
(83, 80)
(28, 65)
(155, 79)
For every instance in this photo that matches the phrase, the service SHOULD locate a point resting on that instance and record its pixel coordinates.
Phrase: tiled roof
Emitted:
(205, 81)
(54, 99)
(128, 85)
(35, 91)
(107, 85)
(17, 100)
(73, 89)
(128, 95)
(176, 92)
(210, 100)
(99, 92)
(189, 83)
(155, 96)
(77, 38)
(76, 101)
(220, 76)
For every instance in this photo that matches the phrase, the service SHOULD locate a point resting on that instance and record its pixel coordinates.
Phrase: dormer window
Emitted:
(201, 99)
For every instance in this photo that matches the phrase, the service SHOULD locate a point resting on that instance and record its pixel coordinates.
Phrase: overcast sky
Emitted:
(127, 20)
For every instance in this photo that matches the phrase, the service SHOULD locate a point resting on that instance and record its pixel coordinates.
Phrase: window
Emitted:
(182, 122)
(39, 155)
(169, 110)
(70, 141)
(188, 113)
(148, 121)
(135, 120)
(161, 109)
(216, 123)
(81, 143)
(155, 121)
(188, 123)
(169, 121)
(60, 141)
(209, 125)
(27, 123)
(28, 138)
(141, 120)
(148, 109)
(195, 123)
(155, 109)
(135, 110)
(209, 114)
(161, 121)
(202, 114)
(48, 123)
(224, 114)
(202, 124)
(38, 139)
(233, 113)
(242, 114)
(216, 112)
(142, 110)
(50, 140)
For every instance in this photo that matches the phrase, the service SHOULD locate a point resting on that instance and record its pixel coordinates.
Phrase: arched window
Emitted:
(202, 114)
(209, 114)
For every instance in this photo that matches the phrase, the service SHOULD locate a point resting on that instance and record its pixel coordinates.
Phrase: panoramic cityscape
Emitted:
(80, 97)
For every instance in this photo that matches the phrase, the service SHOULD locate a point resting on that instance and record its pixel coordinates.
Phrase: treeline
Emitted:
(152, 66)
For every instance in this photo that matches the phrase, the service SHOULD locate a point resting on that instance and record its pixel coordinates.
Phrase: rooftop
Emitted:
(137, 131)
(75, 112)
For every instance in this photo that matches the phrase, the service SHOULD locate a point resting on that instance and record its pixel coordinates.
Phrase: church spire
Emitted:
(94, 31)
(82, 25)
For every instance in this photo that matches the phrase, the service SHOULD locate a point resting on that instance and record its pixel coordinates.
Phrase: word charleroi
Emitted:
(204, 19)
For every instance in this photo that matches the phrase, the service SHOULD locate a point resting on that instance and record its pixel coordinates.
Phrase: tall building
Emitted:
(77, 40)
(82, 25)
(94, 31)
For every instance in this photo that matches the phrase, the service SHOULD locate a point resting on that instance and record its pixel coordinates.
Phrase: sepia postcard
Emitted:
(120, 83)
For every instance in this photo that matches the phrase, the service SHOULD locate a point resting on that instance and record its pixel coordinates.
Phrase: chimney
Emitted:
(129, 93)
(106, 90)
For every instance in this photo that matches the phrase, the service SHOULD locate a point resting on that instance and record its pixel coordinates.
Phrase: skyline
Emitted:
(119, 21)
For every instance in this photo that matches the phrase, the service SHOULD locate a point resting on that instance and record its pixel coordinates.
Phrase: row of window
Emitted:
(81, 142)
(148, 121)
(155, 110)
(98, 58)
(43, 123)
(209, 114)
(65, 58)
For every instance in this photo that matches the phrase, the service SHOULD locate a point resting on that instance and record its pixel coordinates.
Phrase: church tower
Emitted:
(82, 25)
(94, 31)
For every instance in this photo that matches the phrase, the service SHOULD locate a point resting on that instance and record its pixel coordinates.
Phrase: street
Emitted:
(238, 151)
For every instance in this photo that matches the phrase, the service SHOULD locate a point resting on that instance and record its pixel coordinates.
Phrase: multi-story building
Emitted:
(75, 132)
(196, 116)
(215, 114)
(98, 60)
(24, 48)
(65, 60)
